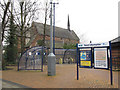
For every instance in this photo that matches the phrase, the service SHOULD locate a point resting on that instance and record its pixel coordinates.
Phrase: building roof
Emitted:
(59, 32)
(116, 40)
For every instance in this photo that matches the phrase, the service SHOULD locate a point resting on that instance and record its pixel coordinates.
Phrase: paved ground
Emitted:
(9, 84)
(65, 78)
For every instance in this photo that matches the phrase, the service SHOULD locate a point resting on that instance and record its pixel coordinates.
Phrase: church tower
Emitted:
(68, 24)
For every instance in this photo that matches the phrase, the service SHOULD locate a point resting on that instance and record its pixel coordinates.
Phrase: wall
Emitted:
(116, 49)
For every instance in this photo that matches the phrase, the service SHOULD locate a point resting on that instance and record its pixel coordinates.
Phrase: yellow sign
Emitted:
(85, 63)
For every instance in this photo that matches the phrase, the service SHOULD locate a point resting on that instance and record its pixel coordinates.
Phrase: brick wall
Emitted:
(115, 49)
(116, 55)
(115, 52)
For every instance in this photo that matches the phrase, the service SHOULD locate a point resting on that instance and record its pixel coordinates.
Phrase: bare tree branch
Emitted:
(3, 19)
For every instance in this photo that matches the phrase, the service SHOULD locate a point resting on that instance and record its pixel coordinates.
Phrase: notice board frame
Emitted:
(106, 44)
(107, 58)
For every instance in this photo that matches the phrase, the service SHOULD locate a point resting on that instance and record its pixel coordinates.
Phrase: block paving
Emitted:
(65, 78)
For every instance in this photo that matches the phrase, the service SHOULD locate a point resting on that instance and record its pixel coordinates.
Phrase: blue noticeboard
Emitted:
(85, 58)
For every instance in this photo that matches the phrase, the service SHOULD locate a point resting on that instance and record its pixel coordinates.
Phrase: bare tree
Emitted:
(4, 6)
(0, 47)
(4, 16)
(25, 12)
(45, 19)
(24, 15)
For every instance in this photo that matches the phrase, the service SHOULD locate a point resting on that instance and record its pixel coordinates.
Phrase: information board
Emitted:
(100, 58)
(85, 58)
(100, 52)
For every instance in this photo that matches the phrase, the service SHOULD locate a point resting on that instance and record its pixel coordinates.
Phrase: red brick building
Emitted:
(62, 36)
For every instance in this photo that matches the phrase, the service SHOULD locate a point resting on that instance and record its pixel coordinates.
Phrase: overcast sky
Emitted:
(92, 20)
(95, 20)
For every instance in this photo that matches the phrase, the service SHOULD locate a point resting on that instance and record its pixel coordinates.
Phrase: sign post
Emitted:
(111, 75)
(100, 56)
(77, 63)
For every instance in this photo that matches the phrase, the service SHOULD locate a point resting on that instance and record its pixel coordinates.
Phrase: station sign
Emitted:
(105, 44)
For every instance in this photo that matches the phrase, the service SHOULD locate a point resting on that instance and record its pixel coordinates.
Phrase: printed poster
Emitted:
(83, 55)
(86, 63)
(100, 58)
(85, 58)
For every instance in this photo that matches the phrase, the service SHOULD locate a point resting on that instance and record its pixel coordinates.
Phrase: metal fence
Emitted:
(116, 63)
(65, 56)
(35, 57)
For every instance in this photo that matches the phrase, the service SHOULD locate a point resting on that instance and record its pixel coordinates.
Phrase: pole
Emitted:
(51, 57)
(51, 30)
(42, 59)
(111, 74)
(77, 63)
(54, 28)
(26, 61)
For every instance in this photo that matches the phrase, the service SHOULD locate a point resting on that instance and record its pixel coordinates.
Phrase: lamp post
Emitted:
(51, 57)
(54, 27)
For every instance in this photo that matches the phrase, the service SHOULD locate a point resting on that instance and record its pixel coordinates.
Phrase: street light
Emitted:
(51, 57)
(54, 26)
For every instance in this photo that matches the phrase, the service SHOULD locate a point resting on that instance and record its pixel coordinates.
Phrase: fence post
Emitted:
(18, 64)
(26, 61)
(42, 60)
